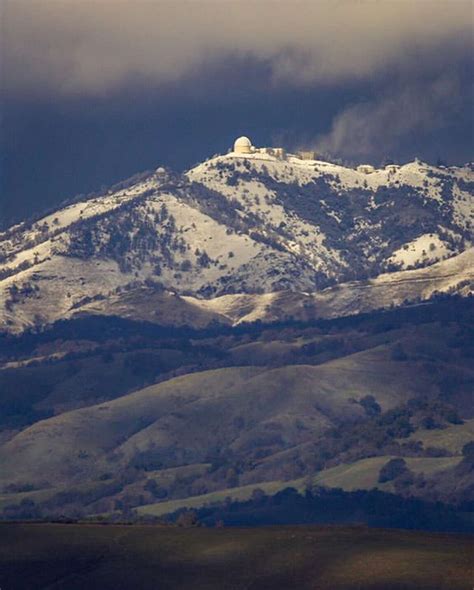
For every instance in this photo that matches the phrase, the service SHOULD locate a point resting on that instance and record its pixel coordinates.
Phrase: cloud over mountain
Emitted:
(94, 47)
(414, 107)
(103, 88)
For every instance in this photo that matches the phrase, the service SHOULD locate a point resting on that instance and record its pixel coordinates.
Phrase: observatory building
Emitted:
(243, 145)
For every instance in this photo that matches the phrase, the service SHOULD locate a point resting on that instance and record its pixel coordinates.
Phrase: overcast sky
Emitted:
(93, 91)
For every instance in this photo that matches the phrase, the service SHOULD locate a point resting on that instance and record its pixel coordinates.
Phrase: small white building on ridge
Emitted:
(243, 145)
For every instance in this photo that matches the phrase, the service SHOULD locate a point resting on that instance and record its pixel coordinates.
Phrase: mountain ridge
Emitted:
(251, 225)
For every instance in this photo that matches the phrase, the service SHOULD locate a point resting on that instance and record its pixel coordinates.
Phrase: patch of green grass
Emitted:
(35, 495)
(238, 493)
(363, 474)
(452, 438)
(166, 475)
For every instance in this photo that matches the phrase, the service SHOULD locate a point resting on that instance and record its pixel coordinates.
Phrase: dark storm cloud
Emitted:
(96, 90)
(400, 110)
(87, 46)
(58, 147)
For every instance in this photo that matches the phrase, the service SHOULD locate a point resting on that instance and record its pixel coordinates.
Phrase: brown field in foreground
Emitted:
(119, 557)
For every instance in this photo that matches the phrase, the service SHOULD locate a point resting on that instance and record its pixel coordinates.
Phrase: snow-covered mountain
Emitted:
(240, 226)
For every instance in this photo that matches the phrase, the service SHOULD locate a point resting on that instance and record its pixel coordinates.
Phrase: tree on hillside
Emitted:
(371, 407)
(392, 469)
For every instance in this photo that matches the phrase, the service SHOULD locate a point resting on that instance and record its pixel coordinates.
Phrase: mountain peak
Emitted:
(254, 220)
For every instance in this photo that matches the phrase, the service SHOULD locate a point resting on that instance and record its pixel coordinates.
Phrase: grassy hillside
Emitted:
(153, 305)
(125, 417)
(364, 474)
(181, 420)
(73, 557)
(361, 475)
(452, 438)
(238, 493)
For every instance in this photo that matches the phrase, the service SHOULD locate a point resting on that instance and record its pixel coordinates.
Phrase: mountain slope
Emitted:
(136, 414)
(335, 215)
(248, 413)
(455, 275)
(255, 224)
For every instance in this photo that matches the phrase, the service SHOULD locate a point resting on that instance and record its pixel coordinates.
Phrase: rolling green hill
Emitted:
(364, 474)
(361, 475)
(254, 406)
(182, 420)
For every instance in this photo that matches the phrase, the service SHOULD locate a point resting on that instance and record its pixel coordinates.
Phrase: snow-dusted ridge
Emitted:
(253, 224)
(452, 276)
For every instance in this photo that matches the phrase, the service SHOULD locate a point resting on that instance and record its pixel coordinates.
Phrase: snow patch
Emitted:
(428, 248)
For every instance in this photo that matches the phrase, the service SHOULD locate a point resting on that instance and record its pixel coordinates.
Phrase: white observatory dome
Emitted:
(243, 145)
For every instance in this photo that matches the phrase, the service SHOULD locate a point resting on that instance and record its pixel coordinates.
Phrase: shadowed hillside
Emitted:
(106, 415)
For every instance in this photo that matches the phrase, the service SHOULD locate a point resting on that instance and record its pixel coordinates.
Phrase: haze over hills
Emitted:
(246, 224)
